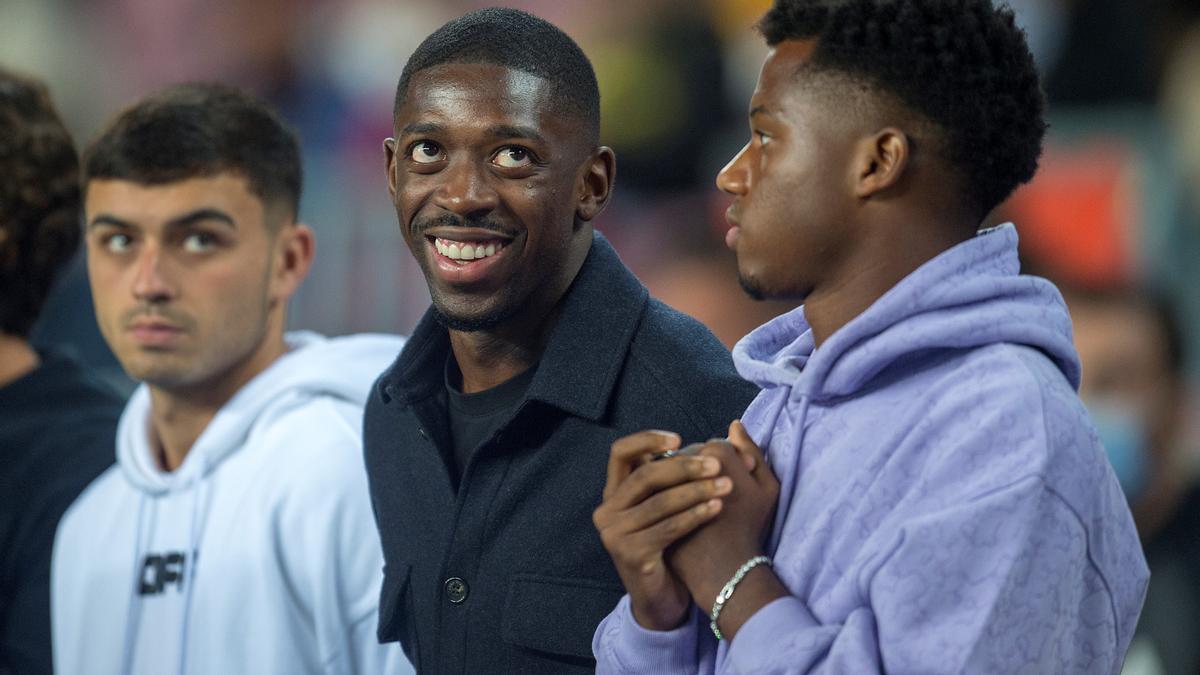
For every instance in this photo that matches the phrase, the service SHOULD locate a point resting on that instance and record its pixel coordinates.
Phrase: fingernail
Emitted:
(724, 484)
(711, 465)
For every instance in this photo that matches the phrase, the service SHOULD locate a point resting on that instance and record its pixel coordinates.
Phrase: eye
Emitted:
(425, 152)
(512, 157)
(199, 242)
(117, 243)
(763, 139)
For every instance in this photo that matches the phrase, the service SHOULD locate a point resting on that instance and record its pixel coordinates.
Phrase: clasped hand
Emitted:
(678, 529)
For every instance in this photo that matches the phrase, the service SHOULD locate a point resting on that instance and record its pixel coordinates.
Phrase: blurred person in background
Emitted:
(935, 498)
(1132, 351)
(487, 440)
(57, 422)
(235, 534)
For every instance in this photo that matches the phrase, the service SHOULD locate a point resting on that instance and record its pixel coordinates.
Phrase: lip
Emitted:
(735, 228)
(155, 333)
(455, 272)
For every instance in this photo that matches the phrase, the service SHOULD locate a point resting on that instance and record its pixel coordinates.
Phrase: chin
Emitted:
(752, 287)
(468, 323)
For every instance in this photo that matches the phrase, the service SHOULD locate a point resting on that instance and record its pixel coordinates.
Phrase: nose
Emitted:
(466, 190)
(150, 282)
(734, 178)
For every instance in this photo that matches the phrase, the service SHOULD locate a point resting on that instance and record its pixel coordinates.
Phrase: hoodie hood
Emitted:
(341, 368)
(969, 296)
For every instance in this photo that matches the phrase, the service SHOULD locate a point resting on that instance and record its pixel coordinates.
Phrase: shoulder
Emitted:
(999, 413)
(679, 347)
(315, 447)
(1005, 413)
(676, 362)
(106, 500)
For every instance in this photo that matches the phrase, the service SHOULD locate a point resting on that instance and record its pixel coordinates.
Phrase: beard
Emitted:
(471, 324)
(751, 287)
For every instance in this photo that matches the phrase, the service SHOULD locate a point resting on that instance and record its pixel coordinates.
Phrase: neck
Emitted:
(176, 422)
(178, 415)
(490, 357)
(17, 359)
(885, 255)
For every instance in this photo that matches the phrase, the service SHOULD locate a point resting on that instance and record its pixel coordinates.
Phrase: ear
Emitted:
(881, 160)
(594, 186)
(295, 247)
(389, 157)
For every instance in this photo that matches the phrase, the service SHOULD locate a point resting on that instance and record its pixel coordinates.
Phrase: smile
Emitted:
(466, 251)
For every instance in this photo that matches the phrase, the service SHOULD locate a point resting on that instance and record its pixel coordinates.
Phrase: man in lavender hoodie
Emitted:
(930, 496)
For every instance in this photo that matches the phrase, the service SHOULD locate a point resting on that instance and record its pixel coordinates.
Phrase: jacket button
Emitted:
(456, 590)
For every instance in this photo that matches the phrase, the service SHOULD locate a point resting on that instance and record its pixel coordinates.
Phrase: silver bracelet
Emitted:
(727, 590)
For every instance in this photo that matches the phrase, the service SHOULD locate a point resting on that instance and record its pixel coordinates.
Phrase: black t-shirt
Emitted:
(473, 418)
(58, 430)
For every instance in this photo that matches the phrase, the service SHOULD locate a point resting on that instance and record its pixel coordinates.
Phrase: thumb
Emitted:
(751, 456)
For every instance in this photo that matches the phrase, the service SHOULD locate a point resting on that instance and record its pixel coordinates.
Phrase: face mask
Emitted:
(1123, 436)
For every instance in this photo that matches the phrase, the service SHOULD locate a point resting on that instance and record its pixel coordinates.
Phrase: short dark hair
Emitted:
(517, 40)
(962, 64)
(39, 200)
(199, 130)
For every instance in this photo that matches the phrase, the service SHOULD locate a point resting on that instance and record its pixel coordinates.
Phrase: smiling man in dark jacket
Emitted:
(486, 442)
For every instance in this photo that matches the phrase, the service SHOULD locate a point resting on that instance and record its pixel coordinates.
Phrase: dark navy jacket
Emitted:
(507, 574)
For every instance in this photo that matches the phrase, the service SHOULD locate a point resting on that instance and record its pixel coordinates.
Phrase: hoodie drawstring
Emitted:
(199, 492)
(134, 614)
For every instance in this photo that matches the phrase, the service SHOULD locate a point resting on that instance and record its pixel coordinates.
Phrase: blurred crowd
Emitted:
(1113, 216)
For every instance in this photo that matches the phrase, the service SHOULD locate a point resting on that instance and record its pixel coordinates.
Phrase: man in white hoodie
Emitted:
(235, 533)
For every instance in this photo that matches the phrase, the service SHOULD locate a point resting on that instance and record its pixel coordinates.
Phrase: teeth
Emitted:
(457, 250)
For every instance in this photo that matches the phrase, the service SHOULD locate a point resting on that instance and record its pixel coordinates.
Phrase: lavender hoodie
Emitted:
(945, 505)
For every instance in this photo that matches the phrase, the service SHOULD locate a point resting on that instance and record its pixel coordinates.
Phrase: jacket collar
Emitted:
(583, 357)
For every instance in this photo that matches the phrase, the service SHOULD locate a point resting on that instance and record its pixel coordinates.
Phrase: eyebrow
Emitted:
(497, 132)
(759, 110)
(186, 219)
(514, 131)
(421, 128)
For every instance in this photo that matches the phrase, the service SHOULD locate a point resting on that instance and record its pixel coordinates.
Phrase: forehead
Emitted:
(147, 204)
(777, 79)
(466, 96)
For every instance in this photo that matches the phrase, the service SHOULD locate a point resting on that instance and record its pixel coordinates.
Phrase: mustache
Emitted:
(155, 312)
(421, 225)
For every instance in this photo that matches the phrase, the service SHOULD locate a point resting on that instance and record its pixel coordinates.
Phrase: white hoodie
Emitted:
(259, 554)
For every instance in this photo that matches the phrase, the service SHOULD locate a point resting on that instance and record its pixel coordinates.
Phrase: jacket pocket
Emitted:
(393, 605)
(556, 615)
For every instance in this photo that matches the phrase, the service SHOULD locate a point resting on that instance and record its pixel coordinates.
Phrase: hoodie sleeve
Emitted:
(333, 556)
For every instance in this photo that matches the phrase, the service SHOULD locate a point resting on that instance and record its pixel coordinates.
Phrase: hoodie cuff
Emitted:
(762, 634)
(634, 649)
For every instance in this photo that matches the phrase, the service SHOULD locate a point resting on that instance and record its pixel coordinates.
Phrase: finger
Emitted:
(627, 454)
(670, 530)
(672, 501)
(655, 477)
(724, 451)
(749, 451)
